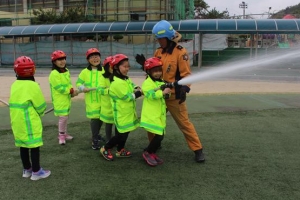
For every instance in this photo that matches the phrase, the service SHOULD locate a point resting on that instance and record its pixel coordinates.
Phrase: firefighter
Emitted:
(176, 66)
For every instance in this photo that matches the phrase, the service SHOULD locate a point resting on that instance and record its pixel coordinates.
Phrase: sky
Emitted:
(254, 6)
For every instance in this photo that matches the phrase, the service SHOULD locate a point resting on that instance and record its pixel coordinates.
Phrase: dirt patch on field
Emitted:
(204, 87)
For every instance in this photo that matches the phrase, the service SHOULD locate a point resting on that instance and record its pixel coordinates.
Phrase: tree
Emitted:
(44, 16)
(201, 11)
(69, 15)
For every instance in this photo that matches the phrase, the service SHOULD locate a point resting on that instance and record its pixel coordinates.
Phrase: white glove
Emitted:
(81, 88)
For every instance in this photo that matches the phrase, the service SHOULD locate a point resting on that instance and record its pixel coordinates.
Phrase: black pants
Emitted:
(155, 143)
(119, 139)
(108, 131)
(35, 158)
(95, 128)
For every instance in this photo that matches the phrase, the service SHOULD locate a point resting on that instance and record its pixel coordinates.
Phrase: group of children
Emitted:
(110, 97)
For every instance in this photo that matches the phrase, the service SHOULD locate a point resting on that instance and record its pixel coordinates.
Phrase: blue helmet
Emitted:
(163, 29)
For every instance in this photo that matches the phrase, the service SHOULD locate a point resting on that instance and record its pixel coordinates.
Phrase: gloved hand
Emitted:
(183, 90)
(81, 88)
(162, 87)
(137, 88)
(140, 59)
(166, 93)
(166, 85)
(75, 93)
(137, 94)
(175, 84)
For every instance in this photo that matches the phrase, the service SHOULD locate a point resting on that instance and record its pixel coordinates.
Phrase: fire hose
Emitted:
(50, 109)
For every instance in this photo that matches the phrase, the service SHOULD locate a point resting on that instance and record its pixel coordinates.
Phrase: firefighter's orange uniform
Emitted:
(176, 66)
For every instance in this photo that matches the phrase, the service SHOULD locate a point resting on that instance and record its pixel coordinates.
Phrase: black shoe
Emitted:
(199, 156)
(101, 139)
(95, 146)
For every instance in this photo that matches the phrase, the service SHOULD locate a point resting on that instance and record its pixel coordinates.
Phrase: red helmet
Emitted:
(58, 54)
(92, 51)
(152, 62)
(24, 66)
(118, 58)
(108, 60)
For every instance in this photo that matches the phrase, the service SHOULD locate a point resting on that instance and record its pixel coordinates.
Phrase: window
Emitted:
(137, 16)
(5, 22)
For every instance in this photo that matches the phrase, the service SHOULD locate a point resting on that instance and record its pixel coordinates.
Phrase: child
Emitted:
(61, 92)
(122, 96)
(106, 112)
(27, 105)
(88, 82)
(153, 117)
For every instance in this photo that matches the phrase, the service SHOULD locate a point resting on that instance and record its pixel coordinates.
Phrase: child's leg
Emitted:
(155, 143)
(113, 141)
(150, 136)
(150, 152)
(95, 128)
(62, 128)
(24, 153)
(122, 138)
(119, 139)
(62, 124)
(35, 159)
(108, 131)
(38, 172)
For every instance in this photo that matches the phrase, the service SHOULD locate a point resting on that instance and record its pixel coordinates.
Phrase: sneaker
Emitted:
(199, 156)
(123, 153)
(158, 159)
(100, 138)
(106, 154)
(95, 146)
(62, 139)
(68, 137)
(27, 173)
(40, 174)
(149, 159)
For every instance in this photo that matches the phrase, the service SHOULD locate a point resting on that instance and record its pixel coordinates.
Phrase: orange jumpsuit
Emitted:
(176, 65)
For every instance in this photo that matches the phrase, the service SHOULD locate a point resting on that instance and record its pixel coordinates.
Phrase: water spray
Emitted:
(234, 66)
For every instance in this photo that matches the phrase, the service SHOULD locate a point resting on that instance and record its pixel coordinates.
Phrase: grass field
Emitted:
(249, 155)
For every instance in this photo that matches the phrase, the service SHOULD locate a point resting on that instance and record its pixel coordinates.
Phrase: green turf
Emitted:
(250, 155)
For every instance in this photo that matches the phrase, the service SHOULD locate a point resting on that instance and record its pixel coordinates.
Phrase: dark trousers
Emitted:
(34, 157)
(155, 143)
(108, 131)
(95, 128)
(118, 140)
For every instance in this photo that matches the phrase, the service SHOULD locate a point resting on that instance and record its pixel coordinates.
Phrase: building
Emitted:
(104, 10)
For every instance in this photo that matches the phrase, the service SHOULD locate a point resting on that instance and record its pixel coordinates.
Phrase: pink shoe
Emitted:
(68, 137)
(158, 159)
(62, 139)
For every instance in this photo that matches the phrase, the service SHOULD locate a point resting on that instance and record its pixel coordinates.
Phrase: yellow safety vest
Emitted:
(153, 116)
(60, 85)
(27, 104)
(90, 79)
(106, 113)
(123, 104)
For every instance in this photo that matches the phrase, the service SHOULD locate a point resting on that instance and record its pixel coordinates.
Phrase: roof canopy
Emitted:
(215, 26)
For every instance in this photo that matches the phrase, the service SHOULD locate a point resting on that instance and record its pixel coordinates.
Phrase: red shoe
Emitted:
(158, 159)
(106, 154)
(149, 159)
(123, 153)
